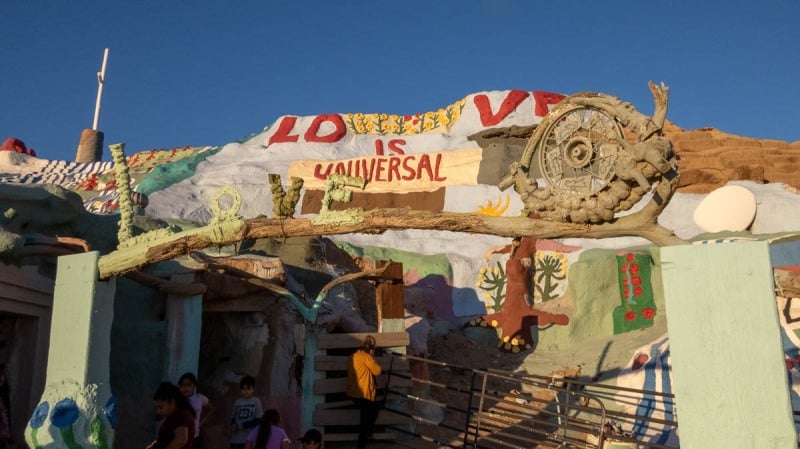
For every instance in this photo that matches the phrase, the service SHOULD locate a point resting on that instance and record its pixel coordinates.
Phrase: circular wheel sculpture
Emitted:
(578, 150)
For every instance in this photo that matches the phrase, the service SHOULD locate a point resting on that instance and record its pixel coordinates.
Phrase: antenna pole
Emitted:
(101, 79)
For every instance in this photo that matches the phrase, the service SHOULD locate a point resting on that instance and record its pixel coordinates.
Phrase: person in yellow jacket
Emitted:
(361, 373)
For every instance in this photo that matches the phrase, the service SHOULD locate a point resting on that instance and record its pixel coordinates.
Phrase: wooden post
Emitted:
(101, 81)
(90, 148)
(389, 298)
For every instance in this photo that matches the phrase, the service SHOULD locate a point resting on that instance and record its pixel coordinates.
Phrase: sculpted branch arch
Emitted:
(597, 156)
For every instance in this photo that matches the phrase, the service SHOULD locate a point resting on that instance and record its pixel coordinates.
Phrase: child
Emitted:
(246, 413)
(268, 435)
(312, 439)
(188, 386)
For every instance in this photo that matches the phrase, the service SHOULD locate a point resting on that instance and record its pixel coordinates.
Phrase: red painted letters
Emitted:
(312, 134)
(488, 118)
(394, 146)
(543, 99)
(282, 133)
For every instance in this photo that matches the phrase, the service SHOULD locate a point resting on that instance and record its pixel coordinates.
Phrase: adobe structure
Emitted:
(575, 230)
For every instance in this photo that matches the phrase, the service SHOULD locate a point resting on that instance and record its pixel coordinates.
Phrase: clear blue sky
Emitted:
(208, 73)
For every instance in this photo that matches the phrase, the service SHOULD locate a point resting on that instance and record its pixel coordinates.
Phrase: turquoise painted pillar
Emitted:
(184, 327)
(731, 384)
(77, 410)
(310, 374)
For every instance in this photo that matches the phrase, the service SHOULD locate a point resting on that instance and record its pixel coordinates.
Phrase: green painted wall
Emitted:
(730, 378)
(594, 289)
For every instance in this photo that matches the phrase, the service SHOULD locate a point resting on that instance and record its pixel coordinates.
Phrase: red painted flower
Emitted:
(407, 118)
(648, 313)
(634, 268)
(630, 315)
(625, 292)
(624, 268)
(636, 280)
(629, 257)
(637, 291)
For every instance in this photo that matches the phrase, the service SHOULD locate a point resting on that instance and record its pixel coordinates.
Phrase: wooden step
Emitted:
(383, 436)
(340, 362)
(351, 417)
(382, 339)
(339, 384)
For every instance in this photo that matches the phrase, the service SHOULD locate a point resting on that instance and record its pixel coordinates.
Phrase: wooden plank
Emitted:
(383, 436)
(383, 340)
(337, 404)
(350, 417)
(389, 295)
(339, 363)
(339, 385)
(725, 346)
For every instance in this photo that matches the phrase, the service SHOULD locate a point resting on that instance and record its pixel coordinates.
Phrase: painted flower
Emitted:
(634, 268)
(64, 413)
(636, 280)
(39, 415)
(648, 313)
(111, 411)
(637, 291)
(624, 268)
(630, 315)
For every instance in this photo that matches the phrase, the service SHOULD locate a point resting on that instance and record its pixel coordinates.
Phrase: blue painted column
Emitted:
(184, 328)
(730, 379)
(77, 409)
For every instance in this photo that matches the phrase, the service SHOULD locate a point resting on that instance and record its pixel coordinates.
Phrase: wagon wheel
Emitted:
(578, 150)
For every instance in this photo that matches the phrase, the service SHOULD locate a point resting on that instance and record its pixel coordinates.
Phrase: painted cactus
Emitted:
(73, 416)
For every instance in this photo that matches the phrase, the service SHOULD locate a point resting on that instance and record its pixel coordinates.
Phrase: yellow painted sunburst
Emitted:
(493, 209)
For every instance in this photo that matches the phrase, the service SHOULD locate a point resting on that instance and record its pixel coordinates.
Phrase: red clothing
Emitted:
(179, 418)
(361, 374)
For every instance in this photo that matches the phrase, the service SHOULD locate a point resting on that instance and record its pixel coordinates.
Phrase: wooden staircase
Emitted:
(337, 417)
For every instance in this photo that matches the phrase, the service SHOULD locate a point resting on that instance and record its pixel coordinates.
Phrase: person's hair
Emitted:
(312, 435)
(188, 376)
(246, 381)
(168, 391)
(270, 418)
(369, 343)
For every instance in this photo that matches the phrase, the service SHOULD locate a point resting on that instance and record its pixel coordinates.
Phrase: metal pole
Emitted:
(101, 79)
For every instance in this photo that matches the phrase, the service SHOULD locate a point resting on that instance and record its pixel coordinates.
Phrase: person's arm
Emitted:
(180, 438)
(208, 409)
(373, 366)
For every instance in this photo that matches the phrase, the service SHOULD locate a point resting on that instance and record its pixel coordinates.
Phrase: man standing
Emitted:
(361, 373)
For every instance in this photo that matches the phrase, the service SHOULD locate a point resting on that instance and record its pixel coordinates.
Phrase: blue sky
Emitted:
(208, 73)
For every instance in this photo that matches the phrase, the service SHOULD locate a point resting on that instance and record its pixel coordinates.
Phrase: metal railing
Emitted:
(462, 408)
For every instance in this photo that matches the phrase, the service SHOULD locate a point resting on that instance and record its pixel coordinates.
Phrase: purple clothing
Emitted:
(198, 401)
(276, 435)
